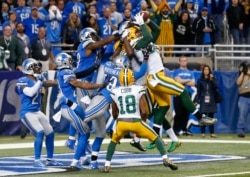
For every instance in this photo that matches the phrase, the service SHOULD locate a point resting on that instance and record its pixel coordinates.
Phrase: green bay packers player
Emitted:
(129, 108)
(161, 87)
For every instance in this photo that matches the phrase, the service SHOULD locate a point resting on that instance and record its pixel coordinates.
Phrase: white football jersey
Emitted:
(127, 100)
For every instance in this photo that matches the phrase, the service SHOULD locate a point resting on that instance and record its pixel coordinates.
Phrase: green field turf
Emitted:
(239, 168)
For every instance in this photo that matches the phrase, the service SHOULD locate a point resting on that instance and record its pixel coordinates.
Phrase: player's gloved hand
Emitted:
(125, 34)
(139, 19)
(145, 54)
(116, 33)
(41, 77)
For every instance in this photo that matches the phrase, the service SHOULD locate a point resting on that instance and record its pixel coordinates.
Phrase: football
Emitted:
(146, 15)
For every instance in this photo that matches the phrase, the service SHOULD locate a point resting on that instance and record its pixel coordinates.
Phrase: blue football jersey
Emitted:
(76, 7)
(22, 13)
(28, 104)
(85, 62)
(32, 26)
(105, 28)
(63, 78)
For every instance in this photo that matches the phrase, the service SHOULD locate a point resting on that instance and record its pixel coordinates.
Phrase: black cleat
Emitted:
(137, 145)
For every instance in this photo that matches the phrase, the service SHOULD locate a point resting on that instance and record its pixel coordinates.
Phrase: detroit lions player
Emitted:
(70, 109)
(128, 107)
(29, 88)
(88, 56)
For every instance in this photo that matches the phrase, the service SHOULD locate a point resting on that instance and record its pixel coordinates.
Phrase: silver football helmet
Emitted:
(121, 61)
(88, 34)
(31, 66)
(63, 60)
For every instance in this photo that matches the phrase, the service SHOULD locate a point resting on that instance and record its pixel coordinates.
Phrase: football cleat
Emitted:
(173, 146)
(150, 146)
(207, 120)
(70, 144)
(138, 145)
(77, 166)
(85, 160)
(39, 164)
(168, 163)
(93, 165)
(105, 169)
(54, 163)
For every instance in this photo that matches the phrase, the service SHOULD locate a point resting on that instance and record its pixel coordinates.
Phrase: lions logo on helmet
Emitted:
(63, 60)
(31, 66)
(121, 61)
(126, 77)
(88, 35)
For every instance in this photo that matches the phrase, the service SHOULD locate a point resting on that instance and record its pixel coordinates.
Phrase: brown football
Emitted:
(146, 15)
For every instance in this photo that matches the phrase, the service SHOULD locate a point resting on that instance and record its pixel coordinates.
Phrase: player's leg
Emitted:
(83, 130)
(49, 140)
(32, 123)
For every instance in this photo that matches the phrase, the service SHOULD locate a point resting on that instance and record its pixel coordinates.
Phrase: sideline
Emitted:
(60, 143)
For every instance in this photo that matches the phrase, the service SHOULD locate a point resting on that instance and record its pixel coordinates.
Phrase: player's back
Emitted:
(63, 77)
(128, 100)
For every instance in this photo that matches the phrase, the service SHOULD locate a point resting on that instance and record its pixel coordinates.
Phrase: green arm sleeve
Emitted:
(155, 30)
(147, 38)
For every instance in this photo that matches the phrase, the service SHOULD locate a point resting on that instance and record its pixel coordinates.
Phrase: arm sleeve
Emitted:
(142, 71)
(31, 91)
(147, 38)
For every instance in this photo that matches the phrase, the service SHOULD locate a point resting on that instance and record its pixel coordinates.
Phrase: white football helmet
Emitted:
(121, 61)
(63, 60)
(31, 66)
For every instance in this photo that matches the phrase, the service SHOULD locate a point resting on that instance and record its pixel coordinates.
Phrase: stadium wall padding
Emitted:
(10, 104)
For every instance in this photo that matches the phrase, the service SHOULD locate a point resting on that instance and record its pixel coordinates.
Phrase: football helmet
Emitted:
(63, 60)
(121, 61)
(126, 77)
(31, 66)
(88, 34)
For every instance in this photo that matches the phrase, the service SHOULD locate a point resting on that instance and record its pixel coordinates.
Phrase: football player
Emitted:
(29, 88)
(128, 107)
(70, 108)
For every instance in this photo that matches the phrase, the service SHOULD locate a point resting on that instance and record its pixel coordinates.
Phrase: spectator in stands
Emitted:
(3, 64)
(235, 16)
(12, 21)
(24, 41)
(182, 31)
(217, 9)
(41, 50)
(206, 88)
(71, 30)
(244, 98)
(116, 15)
(100, 4)
(92, 22)
(74, 6)
(4, 12)
(192, 10)
(246, 22)
(106, 22)
(127, 17)
(42, 12)
(164, 16)
(12, 49)
(89, 3)
(12, 4)
(91, 12)
(204, 29)
(186, 77)
(23, 12)
(60, 5)
(53, 23)
(32, 24)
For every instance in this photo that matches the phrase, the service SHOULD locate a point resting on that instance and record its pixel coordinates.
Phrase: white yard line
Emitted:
(223, 174)
(106, 141)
